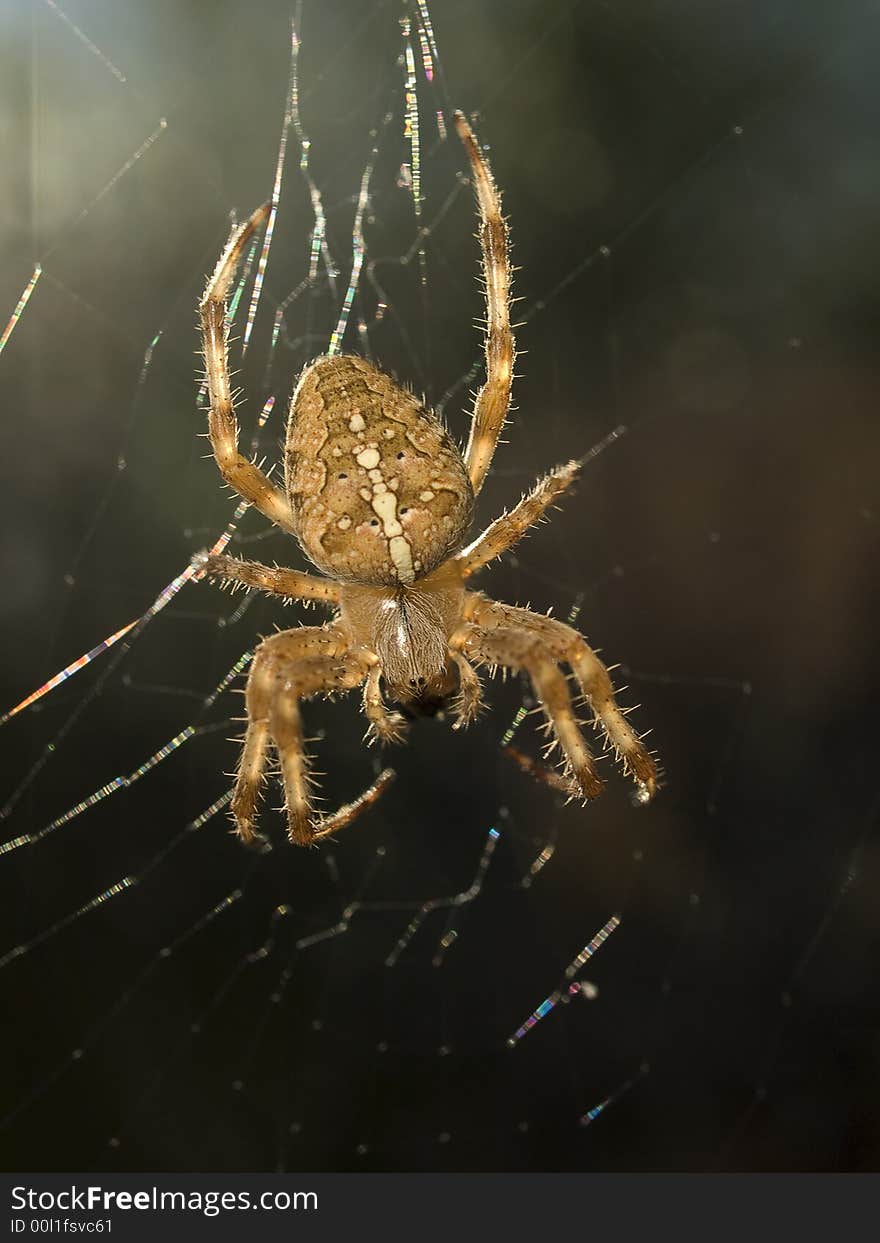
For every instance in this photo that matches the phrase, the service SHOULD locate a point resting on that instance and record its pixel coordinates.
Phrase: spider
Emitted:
(381, 499)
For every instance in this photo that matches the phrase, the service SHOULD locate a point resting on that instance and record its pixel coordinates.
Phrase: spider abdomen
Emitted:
(379, 492)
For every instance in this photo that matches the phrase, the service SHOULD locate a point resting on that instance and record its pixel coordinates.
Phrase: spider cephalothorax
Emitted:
(380, 499)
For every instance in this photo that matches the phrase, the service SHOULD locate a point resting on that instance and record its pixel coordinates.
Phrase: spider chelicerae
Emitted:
(380, 500)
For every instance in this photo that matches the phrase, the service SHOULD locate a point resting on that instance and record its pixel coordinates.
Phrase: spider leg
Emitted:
(493, 400)
(287, 668)
(299, 680)
(470, 691)
(345, 815)
(242, 475)
(505, 531)
(251, 765)
(276, 580)
(540, 772)
(564, 644)
(384, 725)
(512, 648)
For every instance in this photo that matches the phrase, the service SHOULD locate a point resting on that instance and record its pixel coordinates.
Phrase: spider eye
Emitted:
(374, 522)
(342, 475)
(401, 455)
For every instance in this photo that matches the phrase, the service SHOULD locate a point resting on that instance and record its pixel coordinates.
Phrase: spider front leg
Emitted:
(287, 668)
(493, 400)
(246, 478)
(561, 643)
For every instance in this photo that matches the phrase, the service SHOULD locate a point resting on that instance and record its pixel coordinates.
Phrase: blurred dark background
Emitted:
(725, 156)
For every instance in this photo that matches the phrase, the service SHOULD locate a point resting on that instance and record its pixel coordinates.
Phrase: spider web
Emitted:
(473, 976)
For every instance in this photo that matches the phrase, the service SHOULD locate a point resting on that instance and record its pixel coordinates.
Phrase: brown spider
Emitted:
(380, 500)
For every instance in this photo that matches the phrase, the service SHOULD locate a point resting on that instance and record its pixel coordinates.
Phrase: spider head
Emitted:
(410, 640)
(428, 696)
(408, 629)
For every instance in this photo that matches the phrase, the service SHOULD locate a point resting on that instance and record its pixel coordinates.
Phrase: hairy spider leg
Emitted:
(287, 668)
(507, 530)
(274, 580)
(493, 400)
(560, 643)
(242, 475)
(513, 649)
(469, 699)
(385, 726)
(351, 811)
